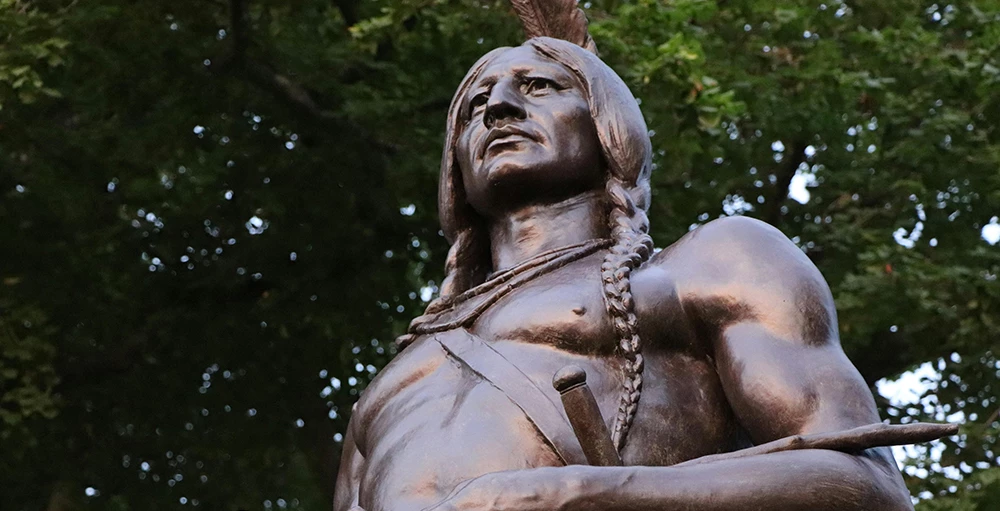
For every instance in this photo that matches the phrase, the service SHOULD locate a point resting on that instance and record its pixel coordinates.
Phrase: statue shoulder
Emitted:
(737, 239)
(728, 249)
(410, 366)
(746, 251)
(733, 267)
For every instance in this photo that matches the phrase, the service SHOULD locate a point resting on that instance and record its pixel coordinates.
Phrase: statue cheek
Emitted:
(465, 151)
(575, 121)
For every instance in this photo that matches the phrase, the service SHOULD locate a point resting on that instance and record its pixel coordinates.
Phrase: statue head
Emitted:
(539, 122)
(542, 121)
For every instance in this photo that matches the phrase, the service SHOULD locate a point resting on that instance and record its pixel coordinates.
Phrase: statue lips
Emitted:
(504, 135)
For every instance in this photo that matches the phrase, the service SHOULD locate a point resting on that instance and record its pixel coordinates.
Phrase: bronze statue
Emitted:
(568, 367)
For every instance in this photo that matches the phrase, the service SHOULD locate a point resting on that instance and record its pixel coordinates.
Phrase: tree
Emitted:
(215, 217)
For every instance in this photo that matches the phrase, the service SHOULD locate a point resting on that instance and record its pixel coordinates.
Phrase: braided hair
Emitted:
(626, 149)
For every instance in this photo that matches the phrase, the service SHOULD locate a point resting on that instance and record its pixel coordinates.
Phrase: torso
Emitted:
(428, 411)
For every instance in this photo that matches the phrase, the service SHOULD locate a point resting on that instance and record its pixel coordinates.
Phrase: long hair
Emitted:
(627, 151)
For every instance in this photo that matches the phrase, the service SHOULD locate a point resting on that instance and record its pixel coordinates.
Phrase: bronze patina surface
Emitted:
(714, 373)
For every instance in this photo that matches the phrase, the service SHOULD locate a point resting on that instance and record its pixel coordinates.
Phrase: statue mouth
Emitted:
(508, 134)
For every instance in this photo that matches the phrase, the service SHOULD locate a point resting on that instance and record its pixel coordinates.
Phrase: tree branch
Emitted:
(262, 75)
(892, 356)
(238, 27)
(292, 93)
(784, 176)
(237, 62)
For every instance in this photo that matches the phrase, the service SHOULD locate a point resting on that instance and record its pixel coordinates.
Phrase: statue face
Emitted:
(529, 135)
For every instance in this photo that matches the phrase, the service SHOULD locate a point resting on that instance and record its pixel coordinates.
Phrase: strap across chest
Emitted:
(541, 409)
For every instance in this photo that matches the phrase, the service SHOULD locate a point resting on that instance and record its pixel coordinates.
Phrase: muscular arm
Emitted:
(772, 326)
(777, 387)
(808, 480)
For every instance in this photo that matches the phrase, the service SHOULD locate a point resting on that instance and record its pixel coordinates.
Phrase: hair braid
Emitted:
(632, 246)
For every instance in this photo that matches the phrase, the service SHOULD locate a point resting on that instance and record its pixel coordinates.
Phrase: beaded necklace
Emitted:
(463, 309)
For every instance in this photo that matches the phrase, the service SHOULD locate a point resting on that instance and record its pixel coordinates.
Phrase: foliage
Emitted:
(28, 50)
(215, 217)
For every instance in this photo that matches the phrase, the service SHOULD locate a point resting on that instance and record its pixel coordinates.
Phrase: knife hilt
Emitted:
(585, 417)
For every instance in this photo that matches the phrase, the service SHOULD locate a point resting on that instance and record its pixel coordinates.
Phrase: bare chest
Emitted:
(557, 320)
(564, 313)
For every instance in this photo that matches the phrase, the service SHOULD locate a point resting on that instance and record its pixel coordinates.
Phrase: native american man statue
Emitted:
(567, 367)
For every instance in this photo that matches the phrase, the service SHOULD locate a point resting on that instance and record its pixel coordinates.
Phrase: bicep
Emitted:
(780, 385)
(772, 324)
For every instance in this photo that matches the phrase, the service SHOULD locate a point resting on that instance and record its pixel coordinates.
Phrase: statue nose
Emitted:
(504, 104)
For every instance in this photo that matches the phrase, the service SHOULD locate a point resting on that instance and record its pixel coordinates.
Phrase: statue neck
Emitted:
(531, 230)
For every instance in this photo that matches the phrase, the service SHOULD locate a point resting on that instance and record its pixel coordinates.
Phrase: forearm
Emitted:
(811, 480)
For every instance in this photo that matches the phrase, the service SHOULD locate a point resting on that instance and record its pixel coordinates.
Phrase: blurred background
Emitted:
(215, 217)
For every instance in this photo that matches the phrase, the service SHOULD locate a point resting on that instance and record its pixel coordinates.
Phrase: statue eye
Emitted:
(478, 100)
(539, 85)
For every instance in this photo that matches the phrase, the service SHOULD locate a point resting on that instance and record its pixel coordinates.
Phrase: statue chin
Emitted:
(508, 160)
(523, 173)
(513, 176)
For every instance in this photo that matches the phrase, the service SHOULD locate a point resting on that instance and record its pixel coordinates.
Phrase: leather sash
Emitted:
(541, 410)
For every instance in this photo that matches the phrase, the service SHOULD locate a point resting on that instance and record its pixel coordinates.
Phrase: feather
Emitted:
(560, 19)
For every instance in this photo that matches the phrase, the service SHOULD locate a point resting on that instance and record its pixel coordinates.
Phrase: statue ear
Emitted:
(559, 19)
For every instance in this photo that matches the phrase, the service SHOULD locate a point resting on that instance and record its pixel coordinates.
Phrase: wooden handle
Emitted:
(585, 417)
